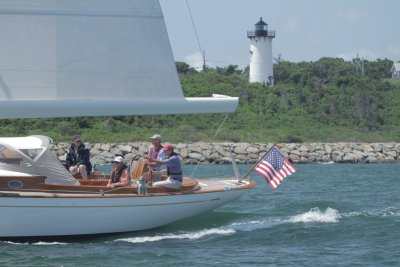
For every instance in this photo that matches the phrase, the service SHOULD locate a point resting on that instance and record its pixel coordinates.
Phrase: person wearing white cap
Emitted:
(119, 175)
(156, 153)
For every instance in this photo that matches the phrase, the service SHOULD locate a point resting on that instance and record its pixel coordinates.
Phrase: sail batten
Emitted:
(56, 54)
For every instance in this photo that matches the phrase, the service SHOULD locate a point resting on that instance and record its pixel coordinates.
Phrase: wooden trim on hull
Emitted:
(65, 191)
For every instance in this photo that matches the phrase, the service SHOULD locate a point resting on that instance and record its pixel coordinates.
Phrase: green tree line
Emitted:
(328, 100)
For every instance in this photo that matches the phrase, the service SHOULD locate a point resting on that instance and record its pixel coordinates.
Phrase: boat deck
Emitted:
(98, 188)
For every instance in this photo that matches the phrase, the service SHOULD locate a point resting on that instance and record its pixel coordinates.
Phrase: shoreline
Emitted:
(246, 153)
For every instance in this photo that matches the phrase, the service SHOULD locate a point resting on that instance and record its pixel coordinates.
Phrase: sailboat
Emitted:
(91, 58)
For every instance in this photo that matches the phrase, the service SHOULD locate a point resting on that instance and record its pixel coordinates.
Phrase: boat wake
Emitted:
(41, 243)
(385, 212)
(189, 235)
(313, 216)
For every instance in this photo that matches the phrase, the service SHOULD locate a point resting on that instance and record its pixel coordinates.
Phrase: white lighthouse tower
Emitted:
(261, 69)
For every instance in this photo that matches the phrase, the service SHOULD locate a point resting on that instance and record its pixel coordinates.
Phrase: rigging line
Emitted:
(219, 128)
(195, 31)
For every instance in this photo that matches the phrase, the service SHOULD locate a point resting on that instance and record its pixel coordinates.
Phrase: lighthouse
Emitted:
(261, 69)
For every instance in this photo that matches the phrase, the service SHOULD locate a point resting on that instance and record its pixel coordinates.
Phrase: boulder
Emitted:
(294, 157)
(242, 158)
(94, 151)
(116, 151)
(252, 150)
(303, 148)
(337, 156)
(106, 154)
(220, 150)
(240, 150)
(129, 157)
(377, 147)
(125, 149)
(205, 146)
(252, 156)
(183, 152)
(397, 148)
(60, 152)
(295, 152)
(367, 148)
(143, 148)
(291, 146)
(180, 145)
(97, 146)
(194, 149)
(98, 159)
(105, 147)
(62, 157)
(196, 156)
(372, 159)
(328, 149)
(349, 158)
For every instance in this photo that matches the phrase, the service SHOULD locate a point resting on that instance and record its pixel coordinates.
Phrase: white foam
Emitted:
(385, 212)
(48, 243)
(35, 244)
(315, 215)
(190, 235)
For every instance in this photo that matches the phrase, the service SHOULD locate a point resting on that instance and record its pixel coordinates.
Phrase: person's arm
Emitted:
(161, 156)
(68, 159)
(155, 162)
(85, 157)
(123, 180)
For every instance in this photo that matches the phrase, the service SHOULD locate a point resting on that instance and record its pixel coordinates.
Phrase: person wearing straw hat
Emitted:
(156, 152)
(119, 175)
(174, 169)
(78, 158)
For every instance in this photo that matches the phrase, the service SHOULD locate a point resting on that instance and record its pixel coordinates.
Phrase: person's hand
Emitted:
(113, 185)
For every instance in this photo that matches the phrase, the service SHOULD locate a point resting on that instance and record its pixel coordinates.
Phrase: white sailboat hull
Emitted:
(70, 216)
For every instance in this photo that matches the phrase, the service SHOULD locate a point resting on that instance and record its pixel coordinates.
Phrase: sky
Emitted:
(306, 30)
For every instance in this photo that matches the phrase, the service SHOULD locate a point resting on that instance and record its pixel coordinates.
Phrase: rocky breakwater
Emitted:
(245, 153)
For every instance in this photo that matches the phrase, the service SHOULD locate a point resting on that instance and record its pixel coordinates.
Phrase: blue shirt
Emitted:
(174, 167)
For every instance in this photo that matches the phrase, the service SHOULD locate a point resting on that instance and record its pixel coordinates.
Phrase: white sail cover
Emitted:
(61, 58)
(31, 156)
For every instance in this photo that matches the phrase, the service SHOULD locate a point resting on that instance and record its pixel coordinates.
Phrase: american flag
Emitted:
(274, 167)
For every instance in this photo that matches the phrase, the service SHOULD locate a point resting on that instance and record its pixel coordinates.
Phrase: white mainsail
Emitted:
(61, 58)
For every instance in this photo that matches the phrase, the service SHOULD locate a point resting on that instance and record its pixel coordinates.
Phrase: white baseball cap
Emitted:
(156, 136)
(119, 159)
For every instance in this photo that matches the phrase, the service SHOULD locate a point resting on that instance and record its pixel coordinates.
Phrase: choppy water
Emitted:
(324, 215)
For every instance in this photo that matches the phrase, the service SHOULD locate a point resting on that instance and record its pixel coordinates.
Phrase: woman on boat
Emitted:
(174, 169)
(119, 175)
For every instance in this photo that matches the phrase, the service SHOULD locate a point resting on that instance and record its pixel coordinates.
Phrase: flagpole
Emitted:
(255, 165)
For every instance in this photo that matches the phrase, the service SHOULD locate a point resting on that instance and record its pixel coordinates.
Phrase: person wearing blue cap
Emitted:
(78, 158)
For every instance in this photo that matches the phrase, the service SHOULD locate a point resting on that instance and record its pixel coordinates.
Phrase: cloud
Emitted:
(195, 60)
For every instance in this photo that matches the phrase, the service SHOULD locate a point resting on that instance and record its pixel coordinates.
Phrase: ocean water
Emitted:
(323, 215)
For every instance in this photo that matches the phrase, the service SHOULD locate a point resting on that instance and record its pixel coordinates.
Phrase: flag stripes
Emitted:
(274, 167)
